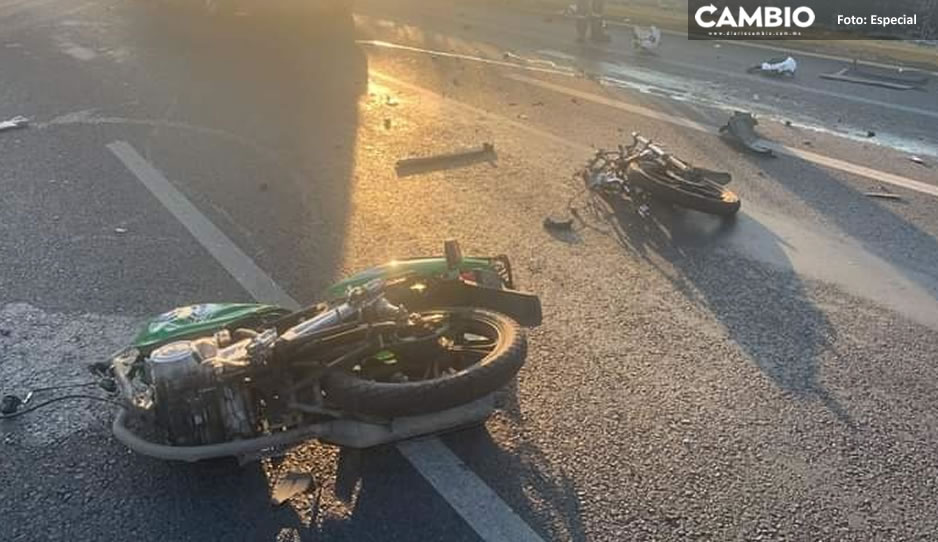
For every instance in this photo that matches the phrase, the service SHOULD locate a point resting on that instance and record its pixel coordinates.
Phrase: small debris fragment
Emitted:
(717, 46)
(10, 404)
(787, 123)
(776, 66)
(387, 124)
(390, 100)
(807, 143)
(15, 122)
(120, 230)
(522, 116)
(291, 485)
(558, 225)
(883, 195)
(870, 133)
(917, 160)
(574, 100)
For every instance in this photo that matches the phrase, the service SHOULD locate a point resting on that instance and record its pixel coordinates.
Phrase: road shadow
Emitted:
(766, 309)
(538, 490)
(874, 223)
(272, 100)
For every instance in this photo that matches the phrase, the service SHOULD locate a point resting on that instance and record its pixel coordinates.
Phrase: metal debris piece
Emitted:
(558, 225)
(487, 151)
(917, 160)
(741, 129)
(120, 230)
(291, 485)
(15, 122)
(883, 195)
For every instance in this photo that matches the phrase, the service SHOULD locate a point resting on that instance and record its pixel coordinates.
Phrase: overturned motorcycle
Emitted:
(409, 348)
(642, 171)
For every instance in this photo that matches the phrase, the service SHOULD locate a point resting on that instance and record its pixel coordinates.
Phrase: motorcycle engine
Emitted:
(202, 392)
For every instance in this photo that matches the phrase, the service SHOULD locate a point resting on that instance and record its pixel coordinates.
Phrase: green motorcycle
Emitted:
(404, 349)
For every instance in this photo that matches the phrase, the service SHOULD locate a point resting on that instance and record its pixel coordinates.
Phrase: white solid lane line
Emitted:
(489, 516)
(475, 502)
(251, 277)
(821, 160)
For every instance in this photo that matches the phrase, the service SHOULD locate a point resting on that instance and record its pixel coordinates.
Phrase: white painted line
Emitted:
(821, 160)
(530, 65)
(489, 516)
(236, 262)
(475, 502)
(527, 65)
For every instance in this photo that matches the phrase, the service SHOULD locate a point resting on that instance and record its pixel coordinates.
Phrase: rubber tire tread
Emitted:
(666, 191)
(352, 394)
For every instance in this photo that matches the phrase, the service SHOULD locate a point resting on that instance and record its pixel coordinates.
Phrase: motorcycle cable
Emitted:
(12, 403)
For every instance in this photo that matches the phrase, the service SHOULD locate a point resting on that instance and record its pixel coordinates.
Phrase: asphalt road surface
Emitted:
(770, 378)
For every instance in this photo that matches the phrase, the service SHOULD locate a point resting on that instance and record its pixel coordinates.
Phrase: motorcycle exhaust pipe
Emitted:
(341, 432)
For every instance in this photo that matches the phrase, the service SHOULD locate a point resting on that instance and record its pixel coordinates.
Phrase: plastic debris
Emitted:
(741, 129)
(917, 160)
(441, 161)
(646, 39)
(291, 485)
(896, 79)
(15, 122)
(776, 66)
(390, 100)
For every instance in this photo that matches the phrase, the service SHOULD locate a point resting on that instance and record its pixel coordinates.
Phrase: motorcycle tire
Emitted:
(667, 185)
(351, 393)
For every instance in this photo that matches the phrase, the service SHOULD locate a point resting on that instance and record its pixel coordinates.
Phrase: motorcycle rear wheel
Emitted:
(484, 350)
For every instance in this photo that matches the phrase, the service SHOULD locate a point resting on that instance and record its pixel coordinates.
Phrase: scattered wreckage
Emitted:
(778, 67)
(741, 129)
(409, 348)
